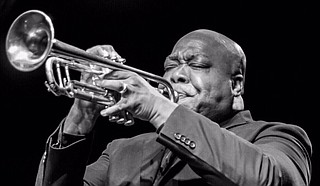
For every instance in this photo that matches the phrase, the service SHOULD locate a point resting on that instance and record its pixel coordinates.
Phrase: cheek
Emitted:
(206, 91)
(212, 102)
(211, 89)
(202, 83)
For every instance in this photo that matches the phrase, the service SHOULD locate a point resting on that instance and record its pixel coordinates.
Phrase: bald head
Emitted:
(232, 56)
(215, 39)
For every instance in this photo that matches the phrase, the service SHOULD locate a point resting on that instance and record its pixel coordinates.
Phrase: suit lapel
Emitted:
(154, 157)
(171, 171)
(150, 161)
(158, 164)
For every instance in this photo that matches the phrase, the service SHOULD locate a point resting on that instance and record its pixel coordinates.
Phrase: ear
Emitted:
(236, 85)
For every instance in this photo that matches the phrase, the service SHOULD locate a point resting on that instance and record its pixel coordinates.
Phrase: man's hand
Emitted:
(83, 114)
(137, 97)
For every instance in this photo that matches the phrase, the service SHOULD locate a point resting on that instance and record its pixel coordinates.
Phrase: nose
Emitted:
(180, 75)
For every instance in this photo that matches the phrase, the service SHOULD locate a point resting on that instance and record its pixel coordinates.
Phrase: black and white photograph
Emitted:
(158, 93)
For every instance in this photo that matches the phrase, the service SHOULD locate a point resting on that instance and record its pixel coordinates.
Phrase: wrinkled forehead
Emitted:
(208, 41)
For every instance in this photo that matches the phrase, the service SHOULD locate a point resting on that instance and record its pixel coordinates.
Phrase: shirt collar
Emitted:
(239, 118)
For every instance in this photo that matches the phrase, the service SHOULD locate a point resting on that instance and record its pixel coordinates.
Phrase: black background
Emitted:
(277, 38)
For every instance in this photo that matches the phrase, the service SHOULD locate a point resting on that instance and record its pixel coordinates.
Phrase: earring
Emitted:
(238, 103)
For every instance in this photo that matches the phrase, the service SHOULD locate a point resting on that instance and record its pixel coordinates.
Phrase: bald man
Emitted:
(206, 138)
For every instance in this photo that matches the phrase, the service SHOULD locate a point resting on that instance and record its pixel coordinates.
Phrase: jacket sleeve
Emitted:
(64, 165)
(222, 158)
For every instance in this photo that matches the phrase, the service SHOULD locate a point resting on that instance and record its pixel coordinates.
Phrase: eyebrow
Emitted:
(172, 56)
(175, 55)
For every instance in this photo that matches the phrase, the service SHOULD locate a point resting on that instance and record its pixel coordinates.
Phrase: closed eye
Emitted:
(199, 65)
(171, 62)
(168, 67)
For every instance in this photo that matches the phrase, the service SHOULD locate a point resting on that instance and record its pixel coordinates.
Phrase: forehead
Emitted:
(189, 45)
(207, 41)
(200, 44)
(194, 44)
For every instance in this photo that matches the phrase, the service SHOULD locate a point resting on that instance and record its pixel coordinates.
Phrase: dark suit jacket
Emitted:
(243, 152)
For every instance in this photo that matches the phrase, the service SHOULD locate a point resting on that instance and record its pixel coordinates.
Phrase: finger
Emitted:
(87, 77)
(108, 103)
(113, 110)
(122, 118)
(108, 48)
(126, 118)
(113, 55)
(118, 74)
(116, 85)
(114, 118)
(130, 119)
(99, 51)
(84, 76)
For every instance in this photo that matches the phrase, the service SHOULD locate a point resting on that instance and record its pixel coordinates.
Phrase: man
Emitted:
(206, 138)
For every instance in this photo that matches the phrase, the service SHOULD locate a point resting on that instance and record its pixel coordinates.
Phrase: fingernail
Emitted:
(121, 121)
(114, 58)
(113, 118)
(103, 113)
(129, 123)
(105, 53)
(97, 82)
(121, 60)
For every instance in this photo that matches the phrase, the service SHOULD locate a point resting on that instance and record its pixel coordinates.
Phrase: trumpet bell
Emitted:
(29, 40)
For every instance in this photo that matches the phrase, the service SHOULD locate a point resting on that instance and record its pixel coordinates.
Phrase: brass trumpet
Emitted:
(30, 42)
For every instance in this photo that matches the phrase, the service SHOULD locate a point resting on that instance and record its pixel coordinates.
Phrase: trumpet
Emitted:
(30, 42)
